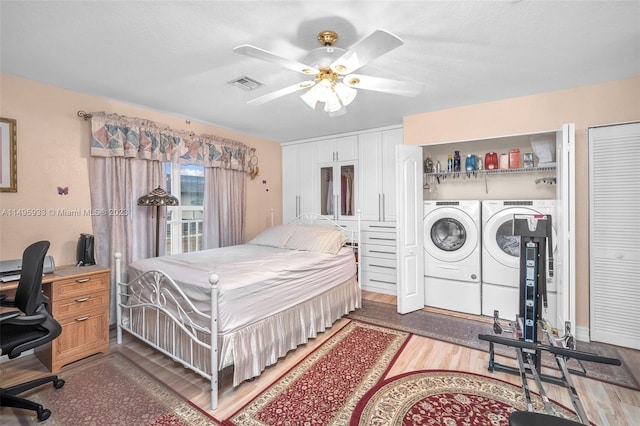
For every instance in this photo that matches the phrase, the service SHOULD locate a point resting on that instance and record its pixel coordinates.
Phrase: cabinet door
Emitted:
(346, 148)
(298, 183)
(390, 139)
(615, 231)
(337, 198)
(290, 173)
(306, 179)
(371, 174)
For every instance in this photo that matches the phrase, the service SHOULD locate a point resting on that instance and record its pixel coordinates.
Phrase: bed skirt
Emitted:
(251, 348)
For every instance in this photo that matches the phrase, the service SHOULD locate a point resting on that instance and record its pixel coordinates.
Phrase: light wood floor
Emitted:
(605, 404)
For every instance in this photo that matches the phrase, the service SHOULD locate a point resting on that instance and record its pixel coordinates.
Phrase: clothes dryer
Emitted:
(452, 250)
(501, 256)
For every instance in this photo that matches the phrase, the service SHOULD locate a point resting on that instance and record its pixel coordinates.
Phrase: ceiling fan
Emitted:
(333, 82)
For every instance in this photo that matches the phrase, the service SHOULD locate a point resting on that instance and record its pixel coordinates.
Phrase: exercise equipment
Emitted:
(535, 233)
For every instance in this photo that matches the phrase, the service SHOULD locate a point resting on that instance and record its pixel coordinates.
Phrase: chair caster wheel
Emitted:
(43, 414)
(58, 384)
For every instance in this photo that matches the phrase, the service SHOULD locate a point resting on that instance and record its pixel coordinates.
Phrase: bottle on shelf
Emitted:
(470, 163)
(491, 161)
(450, 163)
(456, 161)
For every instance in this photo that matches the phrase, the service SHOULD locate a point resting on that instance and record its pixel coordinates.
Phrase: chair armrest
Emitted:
(20, 319)
(5, 316)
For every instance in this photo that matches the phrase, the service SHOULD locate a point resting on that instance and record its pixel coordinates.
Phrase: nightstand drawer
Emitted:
(81, 336)
(80, 286)
(76, 306)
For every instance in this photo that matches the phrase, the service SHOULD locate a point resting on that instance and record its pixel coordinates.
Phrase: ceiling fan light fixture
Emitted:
(309, 98)
(345, 93)
(332, 104)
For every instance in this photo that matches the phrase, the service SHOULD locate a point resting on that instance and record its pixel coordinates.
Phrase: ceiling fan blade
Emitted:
(256, 52)
(366, 50)
(395, 87)
(282, 92)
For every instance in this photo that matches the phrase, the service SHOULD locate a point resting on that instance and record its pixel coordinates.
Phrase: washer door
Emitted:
(499, 241)
(450, 235)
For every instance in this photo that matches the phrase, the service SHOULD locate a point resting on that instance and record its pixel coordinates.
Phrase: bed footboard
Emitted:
(151, 300)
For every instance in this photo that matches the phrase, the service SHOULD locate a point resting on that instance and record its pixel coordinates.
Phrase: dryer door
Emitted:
(450, 235)
(499, 241)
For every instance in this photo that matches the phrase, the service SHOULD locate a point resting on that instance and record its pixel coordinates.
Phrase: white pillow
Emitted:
(276, 236)
(322, 239)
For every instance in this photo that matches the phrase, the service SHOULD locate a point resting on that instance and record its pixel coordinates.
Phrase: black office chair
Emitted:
(28, 327)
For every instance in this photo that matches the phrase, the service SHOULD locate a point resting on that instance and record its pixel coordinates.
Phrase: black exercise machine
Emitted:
(536, 244)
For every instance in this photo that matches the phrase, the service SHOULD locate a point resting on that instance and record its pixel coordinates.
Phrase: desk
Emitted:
(79, 300)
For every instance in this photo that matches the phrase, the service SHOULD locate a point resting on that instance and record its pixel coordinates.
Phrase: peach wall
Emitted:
(53, 150)
(612, 102)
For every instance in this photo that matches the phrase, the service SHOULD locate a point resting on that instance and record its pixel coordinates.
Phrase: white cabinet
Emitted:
(343, 148)
(377, 174)
(338, 183)
(378, 258)
(299, 187)
(377, 191)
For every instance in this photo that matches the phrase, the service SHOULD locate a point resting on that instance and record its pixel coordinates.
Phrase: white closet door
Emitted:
(614, 237)
(409, 241)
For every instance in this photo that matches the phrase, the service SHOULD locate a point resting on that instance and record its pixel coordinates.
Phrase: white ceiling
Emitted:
(176, 56)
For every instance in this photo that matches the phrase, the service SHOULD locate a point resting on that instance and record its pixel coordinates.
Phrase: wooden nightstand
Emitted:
(79, 299)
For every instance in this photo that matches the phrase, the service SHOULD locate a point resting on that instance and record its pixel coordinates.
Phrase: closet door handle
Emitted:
(379, 209)
(384, 213)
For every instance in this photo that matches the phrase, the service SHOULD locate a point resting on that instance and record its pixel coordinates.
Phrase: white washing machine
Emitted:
(501, 257)
(452, 250)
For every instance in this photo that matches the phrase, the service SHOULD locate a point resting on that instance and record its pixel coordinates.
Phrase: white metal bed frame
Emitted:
(164, 289)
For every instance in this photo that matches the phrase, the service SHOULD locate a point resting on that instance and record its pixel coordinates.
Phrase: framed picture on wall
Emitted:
(8, 155)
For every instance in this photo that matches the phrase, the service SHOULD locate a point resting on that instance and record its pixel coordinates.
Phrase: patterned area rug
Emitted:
(462, 331)
(324, 388)
(109, 390)
(436, 397)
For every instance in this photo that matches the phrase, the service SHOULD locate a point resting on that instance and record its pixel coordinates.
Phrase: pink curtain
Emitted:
(224, 207)
(119, 224)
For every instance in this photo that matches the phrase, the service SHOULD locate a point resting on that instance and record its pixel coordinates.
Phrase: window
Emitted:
(184, 222)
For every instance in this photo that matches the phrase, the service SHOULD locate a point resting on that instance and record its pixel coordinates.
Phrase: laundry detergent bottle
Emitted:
(491, 161)
(470, 163)
(456, 161)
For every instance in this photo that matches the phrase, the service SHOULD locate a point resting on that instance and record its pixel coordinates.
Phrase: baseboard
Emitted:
(582, 334)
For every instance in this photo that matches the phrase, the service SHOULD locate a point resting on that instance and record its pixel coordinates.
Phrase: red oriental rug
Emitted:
(108, 390)
(439, 397)
(324, 388)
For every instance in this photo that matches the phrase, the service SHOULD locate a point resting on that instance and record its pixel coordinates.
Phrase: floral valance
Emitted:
(114, 135)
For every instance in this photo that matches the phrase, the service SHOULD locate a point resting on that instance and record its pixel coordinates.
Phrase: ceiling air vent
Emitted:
(246, 83)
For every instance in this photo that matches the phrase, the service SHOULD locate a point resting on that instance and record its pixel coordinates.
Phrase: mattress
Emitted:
(255, 281)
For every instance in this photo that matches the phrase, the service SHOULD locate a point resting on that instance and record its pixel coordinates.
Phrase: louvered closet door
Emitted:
(614, 219)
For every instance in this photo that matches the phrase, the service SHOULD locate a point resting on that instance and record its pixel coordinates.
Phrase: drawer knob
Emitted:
(82, 318)
(82, 280)
(82, 299)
